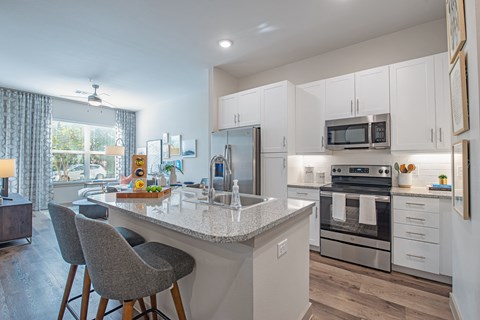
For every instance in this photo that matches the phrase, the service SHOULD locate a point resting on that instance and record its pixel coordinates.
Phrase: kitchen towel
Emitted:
(368, 212)
(338, 207)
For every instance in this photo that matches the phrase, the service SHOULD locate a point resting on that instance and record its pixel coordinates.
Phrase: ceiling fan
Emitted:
(93, 98)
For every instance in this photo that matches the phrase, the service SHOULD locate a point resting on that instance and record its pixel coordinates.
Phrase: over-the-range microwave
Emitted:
(369, 132)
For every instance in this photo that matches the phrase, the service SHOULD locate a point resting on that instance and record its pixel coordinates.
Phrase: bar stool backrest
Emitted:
(63, 220)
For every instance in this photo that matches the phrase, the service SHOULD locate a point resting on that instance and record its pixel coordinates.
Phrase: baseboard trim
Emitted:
(423, 274)
(454, 307)
(308, 314)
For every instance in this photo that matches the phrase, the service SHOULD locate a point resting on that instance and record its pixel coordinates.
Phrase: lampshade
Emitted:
(114, 150)
(7, 168)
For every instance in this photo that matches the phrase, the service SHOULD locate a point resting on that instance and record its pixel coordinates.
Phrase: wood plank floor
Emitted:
(32, 279)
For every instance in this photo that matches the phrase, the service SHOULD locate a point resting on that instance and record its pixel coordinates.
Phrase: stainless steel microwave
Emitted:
(370, 132)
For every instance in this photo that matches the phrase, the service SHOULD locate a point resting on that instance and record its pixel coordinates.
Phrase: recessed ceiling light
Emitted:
(225, 43)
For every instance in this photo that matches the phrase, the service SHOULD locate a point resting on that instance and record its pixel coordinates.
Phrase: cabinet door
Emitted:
(227, 111)
(315, 225)
(274, 120)
(443, 114)
(248, 108)
(310, 118)
(274, 175)
(372, 92)
(412, 89)
(339, 97)
(446, 237)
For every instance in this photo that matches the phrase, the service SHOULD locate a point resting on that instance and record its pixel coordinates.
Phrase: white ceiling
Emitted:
(146, 51)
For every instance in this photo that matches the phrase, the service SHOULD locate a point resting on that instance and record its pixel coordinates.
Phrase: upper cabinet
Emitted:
(278, 117)
(419, 101)
(358, 94)
(240, 109)
(310, 118)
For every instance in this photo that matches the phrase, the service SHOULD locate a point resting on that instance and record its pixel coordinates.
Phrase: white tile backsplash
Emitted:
(429, 165)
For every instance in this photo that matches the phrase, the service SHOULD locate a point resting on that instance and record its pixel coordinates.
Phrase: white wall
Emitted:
(187, 116)
(466, 233)
(415, 42)
(221, 84)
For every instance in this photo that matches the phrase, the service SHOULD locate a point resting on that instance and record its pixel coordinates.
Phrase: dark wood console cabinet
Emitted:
(15, 219)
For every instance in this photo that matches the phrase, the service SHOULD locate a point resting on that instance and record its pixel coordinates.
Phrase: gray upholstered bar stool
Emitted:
(121, 272)
(63, 220)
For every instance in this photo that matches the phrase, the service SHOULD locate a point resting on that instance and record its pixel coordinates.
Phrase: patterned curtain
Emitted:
(126, 125)
(25, 135)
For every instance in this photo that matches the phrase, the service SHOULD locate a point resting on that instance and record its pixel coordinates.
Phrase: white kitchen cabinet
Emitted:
(412, 89)
(310, 195)
(278, 117)
(358, 94)
(339, 97)
(443, 113)
(274, 175)
(422, 234)
(227, 110)
(310, 118)
(239, 109)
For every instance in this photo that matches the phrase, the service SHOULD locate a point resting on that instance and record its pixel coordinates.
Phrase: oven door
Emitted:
(380, 231)
(348, 136)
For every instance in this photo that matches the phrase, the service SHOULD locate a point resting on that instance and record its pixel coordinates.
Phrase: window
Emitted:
(74, 145)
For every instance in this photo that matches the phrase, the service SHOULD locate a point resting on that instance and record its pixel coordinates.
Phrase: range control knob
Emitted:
(380, 171)
(334, 170)
(387, 171)
(339, 170)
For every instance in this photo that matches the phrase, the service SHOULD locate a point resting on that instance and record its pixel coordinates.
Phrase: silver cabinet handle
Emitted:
(302, 193)
(440, 134)
(415, 256)
(284, 142)
(417, 219)
(351, 106)
(238, 117)
(416, 233)
(431, 135)
(284, 163)
(323, 142)
(316, 212)
(358, 105)
(235, 118)
(415, 204)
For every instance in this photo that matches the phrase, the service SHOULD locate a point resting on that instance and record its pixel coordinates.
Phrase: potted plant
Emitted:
(442, 179)
(170, 169)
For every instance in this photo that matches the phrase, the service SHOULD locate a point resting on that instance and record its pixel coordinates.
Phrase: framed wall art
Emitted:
(175, 144)
(456, 33)
(165, 138)
(189, 148)
(458, 95)
(154, 157)
(166, 151)
(460, 172)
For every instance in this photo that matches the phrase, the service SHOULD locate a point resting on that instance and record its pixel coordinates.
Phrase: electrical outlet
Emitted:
(282, 248)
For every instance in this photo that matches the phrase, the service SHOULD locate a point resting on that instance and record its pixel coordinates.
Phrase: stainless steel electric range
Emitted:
(364, 244)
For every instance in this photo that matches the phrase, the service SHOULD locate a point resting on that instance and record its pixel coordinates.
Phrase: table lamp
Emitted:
(7, 170)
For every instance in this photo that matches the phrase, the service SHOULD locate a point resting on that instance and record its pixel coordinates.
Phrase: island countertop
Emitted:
(206, 222)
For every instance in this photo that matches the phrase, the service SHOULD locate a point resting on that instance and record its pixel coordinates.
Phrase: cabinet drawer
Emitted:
(416, 233)
(301, 193)
(414, 218)
(416, 255)
(416, 204)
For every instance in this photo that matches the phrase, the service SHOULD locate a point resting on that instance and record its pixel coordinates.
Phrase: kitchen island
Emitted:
(240, 273)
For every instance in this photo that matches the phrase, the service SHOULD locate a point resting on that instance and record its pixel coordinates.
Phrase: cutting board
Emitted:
(144, 194)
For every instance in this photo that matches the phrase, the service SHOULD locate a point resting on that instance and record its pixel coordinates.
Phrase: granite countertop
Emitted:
(422, 192)
(207, 222)
(306, 185)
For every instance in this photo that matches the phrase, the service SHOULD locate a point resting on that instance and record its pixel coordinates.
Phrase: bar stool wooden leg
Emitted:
(102, 306)
(143, 308)
(128, 310)
(177, 300)
(68, 288)
(85, 295)
(153, 303)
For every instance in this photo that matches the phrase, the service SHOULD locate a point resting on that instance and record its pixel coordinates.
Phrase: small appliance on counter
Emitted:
(308, 174)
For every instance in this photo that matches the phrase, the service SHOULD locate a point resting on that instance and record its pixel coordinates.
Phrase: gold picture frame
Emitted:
(456, 32)
(458, 95)
(460, 183)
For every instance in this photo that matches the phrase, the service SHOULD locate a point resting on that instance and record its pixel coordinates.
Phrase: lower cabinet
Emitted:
(422, 234)
(310, 195)
(274, 175)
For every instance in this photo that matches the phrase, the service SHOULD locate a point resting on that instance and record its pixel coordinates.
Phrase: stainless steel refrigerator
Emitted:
(241, 148)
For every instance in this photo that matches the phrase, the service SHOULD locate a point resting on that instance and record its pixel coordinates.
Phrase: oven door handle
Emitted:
(353, 196)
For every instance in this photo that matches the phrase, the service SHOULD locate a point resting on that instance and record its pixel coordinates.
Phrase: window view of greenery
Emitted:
(73, 145)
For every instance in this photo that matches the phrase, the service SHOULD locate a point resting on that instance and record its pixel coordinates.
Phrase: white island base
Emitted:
(238, 281)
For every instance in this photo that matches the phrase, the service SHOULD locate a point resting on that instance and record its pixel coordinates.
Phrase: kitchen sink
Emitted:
(225, 199)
